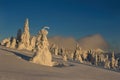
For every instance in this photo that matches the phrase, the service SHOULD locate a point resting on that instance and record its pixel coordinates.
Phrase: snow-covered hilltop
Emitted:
(83, 51)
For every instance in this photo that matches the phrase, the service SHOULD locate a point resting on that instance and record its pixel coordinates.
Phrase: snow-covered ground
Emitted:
(14, 65)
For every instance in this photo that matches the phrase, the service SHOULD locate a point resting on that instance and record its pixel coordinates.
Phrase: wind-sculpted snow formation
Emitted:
(25, 37)
(42, 55)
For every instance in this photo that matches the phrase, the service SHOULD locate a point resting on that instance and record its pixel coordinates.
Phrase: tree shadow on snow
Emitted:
(19, 54)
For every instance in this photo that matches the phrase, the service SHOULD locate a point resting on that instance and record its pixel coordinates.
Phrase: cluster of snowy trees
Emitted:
(40, 45)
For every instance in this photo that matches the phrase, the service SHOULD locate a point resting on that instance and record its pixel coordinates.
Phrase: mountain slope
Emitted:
(89, 42)
(65, 42)
(93, 42)
(13, 66)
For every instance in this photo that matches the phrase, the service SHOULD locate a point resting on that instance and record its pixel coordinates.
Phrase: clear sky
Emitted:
(75, 18)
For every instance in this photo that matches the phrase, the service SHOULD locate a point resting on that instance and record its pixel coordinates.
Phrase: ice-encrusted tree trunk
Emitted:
(56, 50)
(113, 61)
(84, 55)
(106, 62)
(13, 43)
(8, 44)
(80, 59)
(96, 59)
(42, 55)
(33, 42)
(19, 33)
(25, 37)
(116, 63)
(77, 54)
(5, 41)
(64, 57)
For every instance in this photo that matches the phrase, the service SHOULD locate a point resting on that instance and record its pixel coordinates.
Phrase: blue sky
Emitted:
(77, 18)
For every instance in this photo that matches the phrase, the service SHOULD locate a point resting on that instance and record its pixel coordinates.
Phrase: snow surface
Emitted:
(14, 65)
